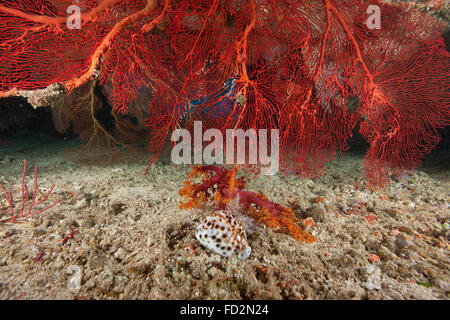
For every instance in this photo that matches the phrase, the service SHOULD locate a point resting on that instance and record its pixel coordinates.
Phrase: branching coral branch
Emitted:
(101, 49)
(191, 52)
(329, 7)
(119, 27)
(25, 197)
(241, 61)
(47, 20)
(157, 20)
(307, 97)
(375, 94)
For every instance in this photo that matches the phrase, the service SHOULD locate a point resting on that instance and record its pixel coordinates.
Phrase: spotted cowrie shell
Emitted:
(222, 233)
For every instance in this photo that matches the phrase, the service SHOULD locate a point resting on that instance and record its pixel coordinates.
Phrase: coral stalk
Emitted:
(25, 197)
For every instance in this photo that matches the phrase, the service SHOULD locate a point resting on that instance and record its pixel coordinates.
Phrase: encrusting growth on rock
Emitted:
(220, 186)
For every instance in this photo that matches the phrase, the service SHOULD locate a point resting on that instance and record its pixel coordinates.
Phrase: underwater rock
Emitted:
(44, 97)
(402, 242)
(318, 214)
(223, 234)
(74, 281)
(374, 277)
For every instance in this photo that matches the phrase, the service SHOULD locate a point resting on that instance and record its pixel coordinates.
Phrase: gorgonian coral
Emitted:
(294, 64)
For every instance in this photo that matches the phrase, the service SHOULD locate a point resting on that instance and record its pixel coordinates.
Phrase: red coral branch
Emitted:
(70, 236)
(103, 46)
(95, 17)
(47, 20)
(242, 61)
(25, 197)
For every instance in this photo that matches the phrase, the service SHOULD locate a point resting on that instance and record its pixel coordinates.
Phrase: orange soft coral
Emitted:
(220, 186)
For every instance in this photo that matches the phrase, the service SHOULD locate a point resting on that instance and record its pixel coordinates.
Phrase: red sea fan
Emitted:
(295, 64)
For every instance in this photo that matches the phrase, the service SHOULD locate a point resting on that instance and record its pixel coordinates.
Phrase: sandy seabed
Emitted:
(131, 240)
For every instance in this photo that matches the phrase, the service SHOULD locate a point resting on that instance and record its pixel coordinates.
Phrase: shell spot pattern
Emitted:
(222, 233)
